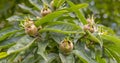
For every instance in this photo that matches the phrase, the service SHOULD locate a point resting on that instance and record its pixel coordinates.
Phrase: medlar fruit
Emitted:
(45, 11)
(66, 46)
(31, 30)
(89, 28)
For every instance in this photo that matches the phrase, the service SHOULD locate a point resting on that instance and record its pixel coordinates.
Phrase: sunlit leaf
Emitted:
(3, 54)
(50, 17)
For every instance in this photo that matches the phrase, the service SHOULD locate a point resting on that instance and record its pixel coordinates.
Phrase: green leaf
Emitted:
(29, 59)
(3, 54)
(114, 39)
(83, 57)
(35, 3)
(114, 54)
(58, 37)
(7, 35)
(78, 6)
(15, 18)
(67, 59)
(59, 31)
(30, 10)
(22, 44)
(41, 49)
(7, 32)
(77, 12)
(49, 17)
(115, 45)
(93, 38)
(12, 40)
(50, 58)
(100, 59)
(59, 3)
(63, 26)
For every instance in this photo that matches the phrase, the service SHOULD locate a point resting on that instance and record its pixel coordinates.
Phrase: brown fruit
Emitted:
(46, 11)
(31, 30)
(66, 46)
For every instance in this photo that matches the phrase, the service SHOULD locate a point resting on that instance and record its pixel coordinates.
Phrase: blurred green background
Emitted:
(106, 12)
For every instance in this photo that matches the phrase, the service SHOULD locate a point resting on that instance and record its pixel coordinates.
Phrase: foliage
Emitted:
(66, 22)
(106, 12)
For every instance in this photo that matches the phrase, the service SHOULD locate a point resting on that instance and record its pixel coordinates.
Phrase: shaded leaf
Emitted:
(41, 49)
(67, 59)
(36, 4)
(50, 58)
(22, 44)
(15, 18)
(30, 10)
(58, 37)
(5, 33)
(83, 57)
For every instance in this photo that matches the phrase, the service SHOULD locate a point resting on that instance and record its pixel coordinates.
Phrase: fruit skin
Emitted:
(66, 46)
(31, 30)
(45, 11)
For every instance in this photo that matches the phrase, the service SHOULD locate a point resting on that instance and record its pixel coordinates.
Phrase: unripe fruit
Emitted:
(66, 46)
(31, 30)
(45, 11)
